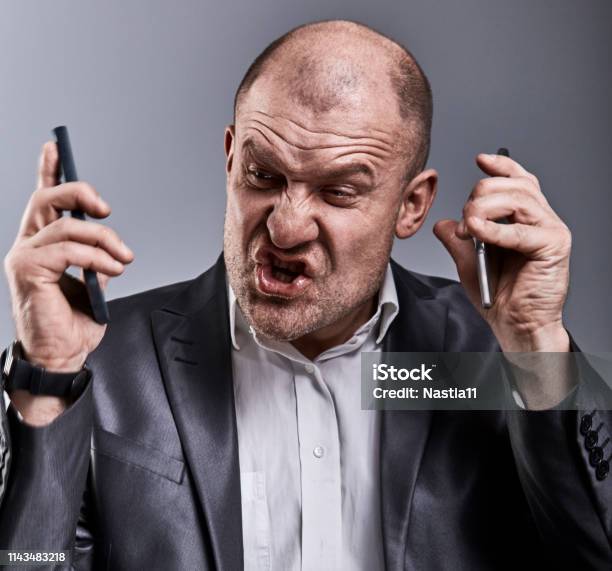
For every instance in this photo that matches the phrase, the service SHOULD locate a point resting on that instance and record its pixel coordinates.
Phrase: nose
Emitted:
(292, 222)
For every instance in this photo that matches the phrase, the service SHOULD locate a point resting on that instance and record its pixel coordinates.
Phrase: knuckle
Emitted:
(480, 188)
(534, 180)
(530, 182)
(85, 190)
(107, 231)
(87, 187)
(63, 224)
(14, 261)
(39, 198)
(528, 204)
(106, 234)
(519, 234)
(519, 198)
(478, 209)
(9, 261)
(66, 249)
(566, 237)
(469, 223)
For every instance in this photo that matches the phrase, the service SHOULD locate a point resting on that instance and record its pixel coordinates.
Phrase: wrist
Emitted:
(55, 364)
(19, 373)
(552, 338)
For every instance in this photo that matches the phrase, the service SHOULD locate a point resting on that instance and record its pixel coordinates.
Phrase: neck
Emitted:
(337, 333)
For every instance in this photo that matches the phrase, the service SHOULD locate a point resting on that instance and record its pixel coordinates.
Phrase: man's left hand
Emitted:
(530, 279)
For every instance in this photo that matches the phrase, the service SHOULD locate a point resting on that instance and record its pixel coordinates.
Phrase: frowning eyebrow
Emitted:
(269, 159)
(251, 148)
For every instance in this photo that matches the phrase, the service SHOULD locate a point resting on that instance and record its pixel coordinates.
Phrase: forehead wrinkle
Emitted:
(352, 142)
(366, 147)
(384, 142)
(383, 134)
(355, 167)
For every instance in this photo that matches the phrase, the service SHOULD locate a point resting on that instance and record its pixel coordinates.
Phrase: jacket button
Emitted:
(590, 440)
(602, 470)
(585, 424)
(596, 456)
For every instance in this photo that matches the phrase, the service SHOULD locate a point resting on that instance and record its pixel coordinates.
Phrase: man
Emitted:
(219, 425)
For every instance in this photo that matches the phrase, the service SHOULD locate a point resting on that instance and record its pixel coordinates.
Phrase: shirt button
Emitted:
(309, 368)
(318, 451)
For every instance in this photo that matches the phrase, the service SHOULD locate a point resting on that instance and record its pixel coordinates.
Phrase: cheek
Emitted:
(246, 211)
(358, 237)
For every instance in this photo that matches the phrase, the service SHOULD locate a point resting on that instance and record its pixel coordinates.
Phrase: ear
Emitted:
(417, 198)
(230, 137)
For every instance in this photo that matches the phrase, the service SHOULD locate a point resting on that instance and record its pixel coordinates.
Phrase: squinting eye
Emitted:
(339, 193)
(262, 179)
(261, 174)
(338, 197)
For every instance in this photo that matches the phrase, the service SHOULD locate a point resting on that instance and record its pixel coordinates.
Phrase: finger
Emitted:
(498, 184)
(59, 256)
(46, 205)
(103, 280)
(74, 230)
(523, 209)
(463, 255)
(48, 166)
(498, 165)
(528, 240)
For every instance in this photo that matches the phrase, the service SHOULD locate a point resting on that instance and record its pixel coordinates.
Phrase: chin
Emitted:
(280, 322)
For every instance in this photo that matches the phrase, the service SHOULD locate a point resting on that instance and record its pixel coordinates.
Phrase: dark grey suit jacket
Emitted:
(142, 471)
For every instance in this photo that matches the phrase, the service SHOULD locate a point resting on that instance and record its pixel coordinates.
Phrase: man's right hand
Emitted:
(54, 333)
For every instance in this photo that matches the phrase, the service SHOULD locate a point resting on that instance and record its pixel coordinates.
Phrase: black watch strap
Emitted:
(17, 373)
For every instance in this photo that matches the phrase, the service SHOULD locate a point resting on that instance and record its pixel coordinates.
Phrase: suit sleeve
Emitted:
(562, 458)
(43, 508)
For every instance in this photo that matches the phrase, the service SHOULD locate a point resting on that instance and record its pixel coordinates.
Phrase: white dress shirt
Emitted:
(309, 456)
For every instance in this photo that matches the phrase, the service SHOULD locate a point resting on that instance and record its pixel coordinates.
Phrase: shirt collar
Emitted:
(388, 308)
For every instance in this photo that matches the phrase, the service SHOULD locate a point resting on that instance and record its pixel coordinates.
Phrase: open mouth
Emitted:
(286, 272)
(282, 277)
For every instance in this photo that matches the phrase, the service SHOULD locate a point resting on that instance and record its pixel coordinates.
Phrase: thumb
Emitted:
(48, 166)
(463, 253)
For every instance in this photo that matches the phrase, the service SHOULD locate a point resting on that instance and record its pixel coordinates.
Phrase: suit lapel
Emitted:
(419, 327)
(193, 345)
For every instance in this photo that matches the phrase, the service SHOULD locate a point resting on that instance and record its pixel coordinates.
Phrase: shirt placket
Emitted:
(320, 470)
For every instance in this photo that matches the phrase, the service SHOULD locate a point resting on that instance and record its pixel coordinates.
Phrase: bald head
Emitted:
(332, 65)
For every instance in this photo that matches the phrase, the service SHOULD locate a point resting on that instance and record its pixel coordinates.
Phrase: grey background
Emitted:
(146, 89)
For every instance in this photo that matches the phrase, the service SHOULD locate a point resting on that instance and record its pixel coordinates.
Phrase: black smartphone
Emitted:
(95, 295)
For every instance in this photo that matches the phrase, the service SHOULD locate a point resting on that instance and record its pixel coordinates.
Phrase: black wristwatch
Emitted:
(17, 373)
